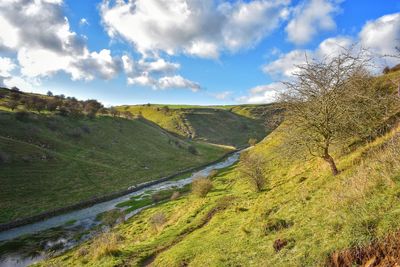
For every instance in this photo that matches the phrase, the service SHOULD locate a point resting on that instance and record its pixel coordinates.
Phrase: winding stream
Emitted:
(86, 218)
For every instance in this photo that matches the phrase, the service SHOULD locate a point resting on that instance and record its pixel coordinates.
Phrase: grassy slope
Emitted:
(56, 161)
(227, 125)
(325, 213)
(322, 214)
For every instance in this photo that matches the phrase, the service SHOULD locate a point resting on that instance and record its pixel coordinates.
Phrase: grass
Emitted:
(309, 213)
(54, 161)
(50, 161)
(224, 125)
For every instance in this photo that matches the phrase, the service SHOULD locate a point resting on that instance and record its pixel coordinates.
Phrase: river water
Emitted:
(86, 218)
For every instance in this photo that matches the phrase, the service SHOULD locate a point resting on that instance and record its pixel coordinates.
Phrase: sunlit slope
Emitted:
(314, 212)
(225, 125)
(308, 211)
(50, 161)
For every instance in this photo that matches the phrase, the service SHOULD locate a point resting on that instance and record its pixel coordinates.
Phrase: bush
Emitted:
(112, 217)
(212, 174)
(157, 197)
(63, 111)
(12, 104)
(252, 168)
(201, 186)
(175, 195)
(252, 141)
(105, 245)
(157, 220)
(192, 150)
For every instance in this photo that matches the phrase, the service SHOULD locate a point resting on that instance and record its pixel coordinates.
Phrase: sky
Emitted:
(203, 52)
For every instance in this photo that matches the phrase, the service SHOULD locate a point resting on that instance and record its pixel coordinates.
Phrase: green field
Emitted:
(304, 207)
(50, 161)
(234, 226)
(227, 125)
(55, 161)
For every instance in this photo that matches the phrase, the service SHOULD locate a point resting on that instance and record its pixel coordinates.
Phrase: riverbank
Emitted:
(96, 200)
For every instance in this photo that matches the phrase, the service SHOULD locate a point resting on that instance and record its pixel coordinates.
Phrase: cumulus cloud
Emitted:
(198, 28)
(286, 64)
(177, 81)
(6, 66)
(262, 94)
(332, 47)
(164, 82)
(40, 35)
(28, 84)
(310, 17)
(382, 35)
(158, 74)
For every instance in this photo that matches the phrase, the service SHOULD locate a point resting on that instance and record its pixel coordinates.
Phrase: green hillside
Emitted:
(53, 161)
(228, 125)
(304, 217)
(233, 225)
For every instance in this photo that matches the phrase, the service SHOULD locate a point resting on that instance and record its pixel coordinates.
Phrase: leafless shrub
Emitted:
(252, 168)
(175, 195)
(105, 245)
(201, 186)
(158, 220)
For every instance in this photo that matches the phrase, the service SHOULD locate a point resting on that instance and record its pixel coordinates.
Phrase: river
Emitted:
(86, 218)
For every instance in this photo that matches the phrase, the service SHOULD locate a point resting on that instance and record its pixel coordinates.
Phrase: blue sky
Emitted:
(181, 51)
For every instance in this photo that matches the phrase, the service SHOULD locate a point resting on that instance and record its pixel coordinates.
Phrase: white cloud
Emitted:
(262, 94)
(40, 35)
(158, 74)
(382, 35)
(100, 64)
(286, 64)
(177, 81)
(198, 28)
(158, 66)
(21, 83)
(83, 22)
(310, 17)
(164, 82)
(333, 46)
(6, 66)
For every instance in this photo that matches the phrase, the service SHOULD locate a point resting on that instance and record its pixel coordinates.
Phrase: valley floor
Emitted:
(304, 218)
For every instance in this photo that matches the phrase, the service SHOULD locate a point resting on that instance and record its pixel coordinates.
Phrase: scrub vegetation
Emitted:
(304, 214)
(56, 151)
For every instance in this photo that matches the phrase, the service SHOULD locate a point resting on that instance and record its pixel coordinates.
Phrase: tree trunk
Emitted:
(328, 158)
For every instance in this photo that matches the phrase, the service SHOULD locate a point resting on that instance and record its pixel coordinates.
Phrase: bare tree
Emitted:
(12, 104)
(252, 168)
(331, 100)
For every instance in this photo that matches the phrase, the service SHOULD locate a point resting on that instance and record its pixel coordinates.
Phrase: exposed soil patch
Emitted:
(384, 252)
